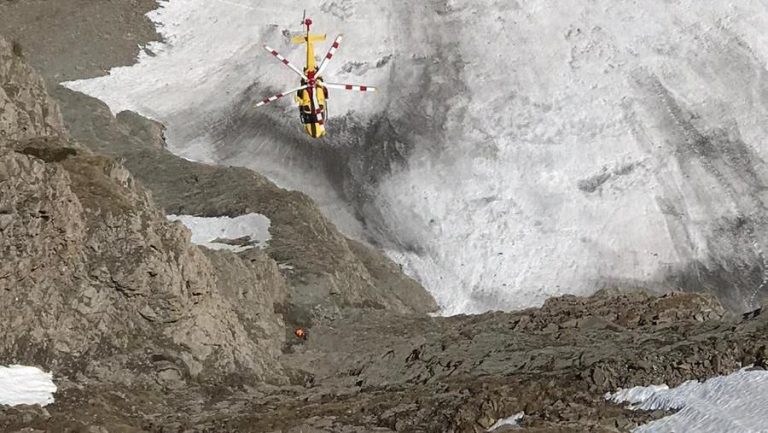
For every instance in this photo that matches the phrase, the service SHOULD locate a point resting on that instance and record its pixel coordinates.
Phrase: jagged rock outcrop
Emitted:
(26, 110)
(97, 282)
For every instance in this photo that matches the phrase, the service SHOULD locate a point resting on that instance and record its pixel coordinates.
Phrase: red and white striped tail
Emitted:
(285, 61)
(353, 87)
(329, 56)
(278, 96)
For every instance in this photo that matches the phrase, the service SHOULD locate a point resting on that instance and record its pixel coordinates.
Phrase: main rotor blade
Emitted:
(278, 96)
(353, 87)
(329, 56)
(285, 61)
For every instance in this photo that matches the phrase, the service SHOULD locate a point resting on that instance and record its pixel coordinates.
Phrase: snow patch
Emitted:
(512, 421)
(724, 404)
(225, 233)
(25, 385)
(635, 395)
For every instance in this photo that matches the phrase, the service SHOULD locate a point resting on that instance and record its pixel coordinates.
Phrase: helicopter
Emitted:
(312, 94)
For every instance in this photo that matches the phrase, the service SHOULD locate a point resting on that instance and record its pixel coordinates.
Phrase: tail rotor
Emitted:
(306, 21)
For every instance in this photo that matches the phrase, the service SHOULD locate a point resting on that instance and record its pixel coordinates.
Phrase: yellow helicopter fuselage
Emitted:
(312, 100)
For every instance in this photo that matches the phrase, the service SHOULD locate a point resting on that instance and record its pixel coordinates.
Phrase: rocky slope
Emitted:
(95, 280)
(52, 34)
(329, 272)
(378, 372)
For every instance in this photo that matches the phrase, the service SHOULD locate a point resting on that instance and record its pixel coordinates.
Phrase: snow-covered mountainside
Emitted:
(517, 149)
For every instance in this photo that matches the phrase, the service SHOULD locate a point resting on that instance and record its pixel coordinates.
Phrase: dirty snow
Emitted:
(512, 421)
(726, 404)
(210, 232)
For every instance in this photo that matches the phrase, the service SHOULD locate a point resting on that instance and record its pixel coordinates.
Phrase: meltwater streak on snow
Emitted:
(519, 150)
(25, 385)
(727, 404)
(206, 230)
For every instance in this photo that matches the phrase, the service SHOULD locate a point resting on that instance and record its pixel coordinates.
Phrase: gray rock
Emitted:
(89, 267)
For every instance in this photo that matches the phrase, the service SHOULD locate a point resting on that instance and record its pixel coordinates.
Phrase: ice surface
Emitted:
(516, 151)
(726, 404)
(207, 230)
(512, 421)
(25, 385)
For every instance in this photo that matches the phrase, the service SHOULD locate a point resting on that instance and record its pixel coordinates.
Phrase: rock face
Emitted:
(328, 272)
(26, 110)
(51, 35)
(95, 280)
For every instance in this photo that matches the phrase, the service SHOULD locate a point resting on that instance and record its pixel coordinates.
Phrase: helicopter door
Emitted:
(306, 114)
